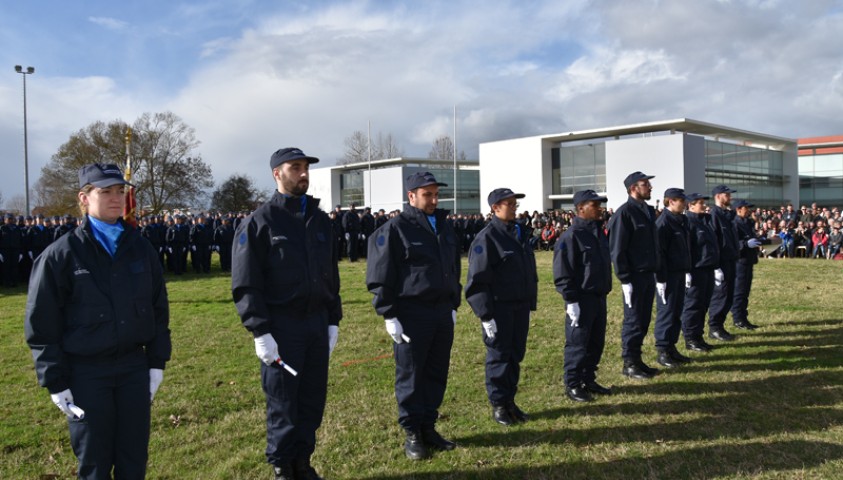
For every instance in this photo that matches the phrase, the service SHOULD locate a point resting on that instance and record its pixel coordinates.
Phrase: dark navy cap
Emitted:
(634, 177)
(422, 179)
(742, 203)
(9, 215)
(722, 189)
(499, 194)
(587, 195)
(675, 193)
(101, 175)
(696, 196)
(287, 154)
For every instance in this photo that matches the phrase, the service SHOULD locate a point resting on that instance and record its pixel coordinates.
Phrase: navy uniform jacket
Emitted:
(351, 222)
(178, 235)
(674, 244)
(581, 261)
(11, 237)
(282, 263)
(409, 265)
(223, 236)
(727, 239)
(745, 230)
(201, 235)
(501, 268)
(84, 303)
(633, 239)
(705, 251)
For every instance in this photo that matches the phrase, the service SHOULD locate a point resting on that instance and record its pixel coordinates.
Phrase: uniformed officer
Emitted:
(285, 284)
(97, 322)
(413, 271)
(11, 250)
(351, 227)
(634, 245)
(223, 236)
(178, 237)
(672, 278)
(201, 238)
(705, 259)
(502, 291)
(582, 273)
(748, 243)
(722, 220)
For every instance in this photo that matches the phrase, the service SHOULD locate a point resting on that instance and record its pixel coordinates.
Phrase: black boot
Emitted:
(698, 345)
(721, 334)
(594, 387)
(666, 360)
(501, 415)
(517, 413)
(578, 393)
(414, 446)
(284, 472)
(674, 354)
(431, 438)
(304, 471)
(746, 325)
(632, 369)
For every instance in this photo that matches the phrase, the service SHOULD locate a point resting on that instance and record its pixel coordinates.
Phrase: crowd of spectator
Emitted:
(183, 239)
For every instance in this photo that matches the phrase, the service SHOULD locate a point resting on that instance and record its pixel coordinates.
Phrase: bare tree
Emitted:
(166, 168)
(357, 148)
(443, 149)
(17, 204)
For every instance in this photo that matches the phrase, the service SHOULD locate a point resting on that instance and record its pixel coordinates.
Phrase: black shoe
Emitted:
(674, 354)
(578, 394)
(666, 360)
(284, 472)
(721, 334)
(649, 370)
(698, 345)
(304, 471)
(502, 415)
(517, 413)
(414, 446)
(431, 438)
(746, 325)
(595, 387)
(634, 371)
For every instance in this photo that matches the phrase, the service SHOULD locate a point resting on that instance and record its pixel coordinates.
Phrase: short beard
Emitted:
(292, 187)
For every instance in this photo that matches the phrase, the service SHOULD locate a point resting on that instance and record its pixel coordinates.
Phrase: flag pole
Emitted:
(129, 207)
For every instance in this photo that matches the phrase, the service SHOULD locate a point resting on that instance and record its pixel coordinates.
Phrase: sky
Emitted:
(252, 76)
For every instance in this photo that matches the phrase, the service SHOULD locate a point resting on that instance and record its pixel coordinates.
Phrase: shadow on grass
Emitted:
(697, 463)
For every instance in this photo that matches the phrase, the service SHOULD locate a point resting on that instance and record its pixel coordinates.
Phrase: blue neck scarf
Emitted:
(106, 233)
(432, 220)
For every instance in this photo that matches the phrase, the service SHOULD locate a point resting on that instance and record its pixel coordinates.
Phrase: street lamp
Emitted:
(28, 71)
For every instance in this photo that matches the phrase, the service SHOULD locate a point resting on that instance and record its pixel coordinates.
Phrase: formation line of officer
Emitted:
(97, 315)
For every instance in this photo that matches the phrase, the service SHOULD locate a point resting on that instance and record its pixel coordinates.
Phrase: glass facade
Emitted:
(578, 167)
(821, 180)
(757, 174)
(351, 188)
(468, 189)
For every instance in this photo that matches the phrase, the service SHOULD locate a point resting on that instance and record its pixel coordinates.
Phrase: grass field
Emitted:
(769, 405)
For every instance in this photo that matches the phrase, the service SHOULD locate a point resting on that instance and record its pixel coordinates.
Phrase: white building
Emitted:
(680, 153)
(380, 184)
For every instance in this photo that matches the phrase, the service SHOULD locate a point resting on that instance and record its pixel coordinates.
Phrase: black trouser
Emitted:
(114, 394)
(179, 258)
(295, 404)
(353, 245)
(696, 303)
(721, 298)
(421, 366)
(636, 320)
(584, 344)
(669, 315)
(10, 266)
(743, 284)
(201, 257)
(506, 351)
(225, 258)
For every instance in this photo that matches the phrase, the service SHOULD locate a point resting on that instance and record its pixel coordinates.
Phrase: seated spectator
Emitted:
(834, 241)
(820, 241)
(802, 236)
(788, 246)
(549, 236)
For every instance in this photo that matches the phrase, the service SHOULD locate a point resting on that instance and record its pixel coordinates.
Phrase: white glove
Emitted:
(454, 317)
(661, 288)
(394, 329)
(333, 335)
(170, 249)
(193, 248)
(64, 400)
(20, 257)
(30, 256)
(627, 294)
(718, 277)
(2, 259)
(753, 242)
(688, 280)
(573, 311)
(266, 348)
(156, 375)
(491, 328)
(347, 236)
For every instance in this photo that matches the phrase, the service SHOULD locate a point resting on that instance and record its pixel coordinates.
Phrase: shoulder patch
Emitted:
(242, 238)
(478, 249)
(381, 240)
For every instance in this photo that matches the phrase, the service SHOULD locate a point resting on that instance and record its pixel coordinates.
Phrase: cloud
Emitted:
(109, 23)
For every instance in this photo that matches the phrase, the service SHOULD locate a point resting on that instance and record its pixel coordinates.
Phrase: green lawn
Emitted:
(769, 405)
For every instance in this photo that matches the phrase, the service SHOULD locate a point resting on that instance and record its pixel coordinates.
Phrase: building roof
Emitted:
(407, 161)
(685, 125)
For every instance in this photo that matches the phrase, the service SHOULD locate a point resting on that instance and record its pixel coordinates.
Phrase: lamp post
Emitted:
(24, 73)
